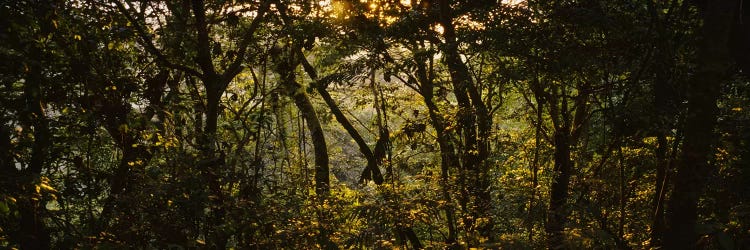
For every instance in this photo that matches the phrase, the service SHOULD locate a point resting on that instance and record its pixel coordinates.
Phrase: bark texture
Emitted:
(693, 169)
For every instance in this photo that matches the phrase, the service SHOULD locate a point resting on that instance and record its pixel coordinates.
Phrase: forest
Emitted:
(374, 124)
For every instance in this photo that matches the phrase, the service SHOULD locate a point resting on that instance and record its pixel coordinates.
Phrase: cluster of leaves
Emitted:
(382, 124)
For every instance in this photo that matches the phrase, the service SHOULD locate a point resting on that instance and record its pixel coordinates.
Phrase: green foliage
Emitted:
(170, 125)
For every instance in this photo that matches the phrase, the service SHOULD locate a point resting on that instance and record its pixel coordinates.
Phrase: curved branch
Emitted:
(148, 43)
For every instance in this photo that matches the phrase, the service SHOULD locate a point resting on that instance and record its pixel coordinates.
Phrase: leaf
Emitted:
(47, 188)
(4, 209)
(123, 128)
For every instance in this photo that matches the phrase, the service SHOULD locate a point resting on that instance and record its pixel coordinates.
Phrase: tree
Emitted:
(278, 124)
(26, 38)
(205, 50)
(713, 64)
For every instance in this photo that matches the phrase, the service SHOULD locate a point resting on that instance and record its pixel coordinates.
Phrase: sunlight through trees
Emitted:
(374, 124)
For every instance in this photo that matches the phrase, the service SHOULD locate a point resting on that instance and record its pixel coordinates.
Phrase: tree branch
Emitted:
(204, 42)
(236, 66)
(148, 43)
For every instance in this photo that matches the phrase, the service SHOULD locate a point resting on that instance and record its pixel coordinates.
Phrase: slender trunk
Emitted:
(213, 99)
(131, 153)
(448, 158)
(623, 197)
(567, 131)
(409, 234)
(535, 167)
(371, 171)
(382, 146)
(211, 163)
(322, 186)
(285, 68)
(475, 126)
(663, 104)
(556, 214)
(7, 164)
(693, 168)
(301, 100)
(34, 234)
(658, 227)
(316, 134)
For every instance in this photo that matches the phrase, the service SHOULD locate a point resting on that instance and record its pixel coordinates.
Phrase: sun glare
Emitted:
(339, 9)
(513, 2)
(438, 28)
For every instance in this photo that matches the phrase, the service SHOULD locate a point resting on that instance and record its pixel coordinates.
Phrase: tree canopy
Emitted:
(374, 124)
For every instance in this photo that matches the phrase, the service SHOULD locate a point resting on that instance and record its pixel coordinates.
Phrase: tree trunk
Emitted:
(7, 164)
(286, 67)
(448, 158)
(556, 214)
(371, 171)
(535, 166)
(448, 161)
(322, 184)
(297, 93)
(475, 124)
(703, 90)
(316, 133)
(34, 234)
(657, 228)
(569, 124)
(664, 110)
